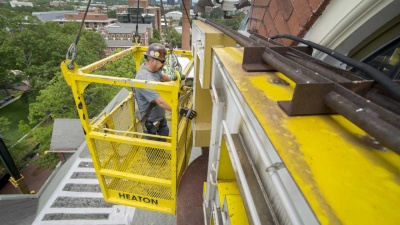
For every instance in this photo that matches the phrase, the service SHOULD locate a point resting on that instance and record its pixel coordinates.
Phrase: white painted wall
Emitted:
(344, 24)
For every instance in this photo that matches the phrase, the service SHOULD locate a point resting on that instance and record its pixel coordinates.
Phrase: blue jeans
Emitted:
(162, 129)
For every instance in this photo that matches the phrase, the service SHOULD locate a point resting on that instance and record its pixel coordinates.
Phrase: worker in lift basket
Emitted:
(151, 105)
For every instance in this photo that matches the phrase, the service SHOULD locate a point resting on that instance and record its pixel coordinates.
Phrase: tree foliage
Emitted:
(54, 101)
(156, 37)
(11, 57)
(43, 136)
(112, 14)
(233, 22)
(176, 38)
(4, 125)
(37, 49)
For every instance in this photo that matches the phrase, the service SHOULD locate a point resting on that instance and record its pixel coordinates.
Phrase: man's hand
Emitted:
(188, 113)
(172, 77)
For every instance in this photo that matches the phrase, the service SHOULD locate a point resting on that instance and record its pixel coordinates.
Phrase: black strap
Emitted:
(152, 104)
(146, 115)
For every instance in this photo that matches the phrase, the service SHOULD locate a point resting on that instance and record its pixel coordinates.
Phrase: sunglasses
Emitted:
(160, 60)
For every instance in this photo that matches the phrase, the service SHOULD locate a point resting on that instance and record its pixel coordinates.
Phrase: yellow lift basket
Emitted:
(131, 170)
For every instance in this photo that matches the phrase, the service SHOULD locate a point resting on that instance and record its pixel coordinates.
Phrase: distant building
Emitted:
(121, 35)
(178, 29)
(19, 4)
(134, 3)
(52, 15)
(170, 2)
(92, 21)
(146, 15)
(120, 8)
(113, 45)
(156, 11)
(57, 3)
(174, 15)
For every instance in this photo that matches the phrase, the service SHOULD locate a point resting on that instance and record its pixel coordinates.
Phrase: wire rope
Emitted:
(137, 36)
(73, 48)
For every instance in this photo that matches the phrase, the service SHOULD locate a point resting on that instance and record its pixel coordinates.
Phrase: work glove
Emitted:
(188, 113)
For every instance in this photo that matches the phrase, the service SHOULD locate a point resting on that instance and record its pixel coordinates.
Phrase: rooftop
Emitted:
(67, 135)
(52, 15)
(126, 28)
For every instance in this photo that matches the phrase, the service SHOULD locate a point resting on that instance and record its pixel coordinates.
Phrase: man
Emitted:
(151, 105)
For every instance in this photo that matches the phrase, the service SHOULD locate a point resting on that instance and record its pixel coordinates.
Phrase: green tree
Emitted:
(156, 37)
(9, 79)
(124, 67)
(37, 49)
(176, 38)
(55, 101)
(217, 14)
(112, 14)
(10, 55)
(154, 40)
(23, 127)
(156, 34)
(43, 136)
(4, 125)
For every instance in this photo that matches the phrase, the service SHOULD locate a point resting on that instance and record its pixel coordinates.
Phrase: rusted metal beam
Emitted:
(275, 61)
(320, 88)
(366, 119)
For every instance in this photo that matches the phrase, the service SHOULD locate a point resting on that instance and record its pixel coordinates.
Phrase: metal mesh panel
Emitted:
(138, 188)
(131, 159)
(121, 119)
(127, 158)
(136, 170)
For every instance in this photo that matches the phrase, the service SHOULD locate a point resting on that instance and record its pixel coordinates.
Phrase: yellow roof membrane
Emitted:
(344, 180)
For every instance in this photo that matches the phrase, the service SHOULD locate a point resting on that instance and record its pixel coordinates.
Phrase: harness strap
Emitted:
(151, 106)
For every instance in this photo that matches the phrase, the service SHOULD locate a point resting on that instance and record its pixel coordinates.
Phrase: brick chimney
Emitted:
(185, 25)
(142, 3)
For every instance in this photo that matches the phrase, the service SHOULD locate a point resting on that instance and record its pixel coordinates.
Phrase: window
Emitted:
(387, 59)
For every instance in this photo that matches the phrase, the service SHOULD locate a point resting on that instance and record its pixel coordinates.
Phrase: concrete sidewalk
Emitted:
(9, 102)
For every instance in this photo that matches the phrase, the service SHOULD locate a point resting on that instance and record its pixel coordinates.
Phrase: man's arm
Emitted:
(162, 103)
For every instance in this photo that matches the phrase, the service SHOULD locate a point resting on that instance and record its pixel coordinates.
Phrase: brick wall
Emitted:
(88, 16)
(295, 17)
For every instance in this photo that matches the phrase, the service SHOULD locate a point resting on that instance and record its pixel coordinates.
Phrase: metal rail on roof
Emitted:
(323, 89)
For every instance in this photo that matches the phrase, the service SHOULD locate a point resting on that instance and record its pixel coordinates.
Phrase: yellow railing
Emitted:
(132, 170)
